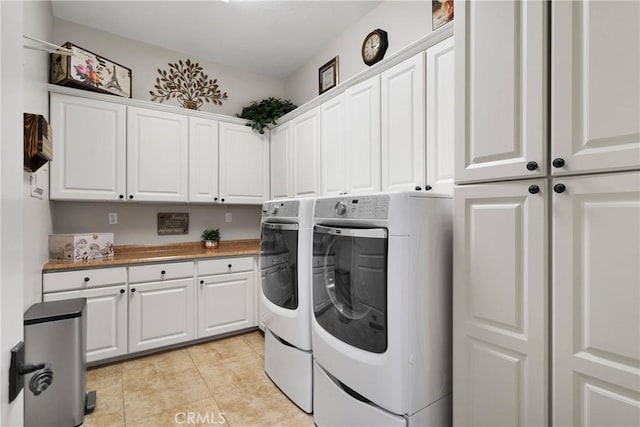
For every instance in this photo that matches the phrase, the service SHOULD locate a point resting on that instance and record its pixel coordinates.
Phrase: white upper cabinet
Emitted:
(440, 116)
(595, 86)
(501, 90)
(305, 154)
(203, 160)
(89, 150)
(362, 143)
(596, 300)
(244, 165)
(280, 165)
(402, 123)
(157, 155)
(333, 146)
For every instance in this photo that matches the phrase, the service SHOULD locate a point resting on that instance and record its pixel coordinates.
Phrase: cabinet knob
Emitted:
(122, 291)
(86, 279)
(559, 188)
(532, 166)
(215, 199)
(202, 282)
(418, 188)
(222, 200)
(133, 289)
(427, 187)
(534, 189)
(230, 266)
(163, 272)
(131, 196)
(558, 162)
(121, 196)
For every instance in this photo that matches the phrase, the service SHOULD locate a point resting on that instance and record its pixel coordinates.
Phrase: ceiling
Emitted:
(272, 38)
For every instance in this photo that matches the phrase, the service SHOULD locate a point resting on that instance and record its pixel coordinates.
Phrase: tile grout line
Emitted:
(213, 396)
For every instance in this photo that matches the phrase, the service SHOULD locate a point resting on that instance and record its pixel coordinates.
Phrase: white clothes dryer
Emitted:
(285, 266)
(382, 309)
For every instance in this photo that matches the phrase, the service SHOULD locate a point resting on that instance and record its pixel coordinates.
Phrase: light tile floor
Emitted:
(220, 382)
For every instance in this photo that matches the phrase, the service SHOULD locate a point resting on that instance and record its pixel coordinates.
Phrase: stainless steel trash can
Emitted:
(56, 332)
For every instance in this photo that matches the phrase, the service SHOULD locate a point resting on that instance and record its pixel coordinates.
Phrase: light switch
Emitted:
(227, 217)
(113, 218)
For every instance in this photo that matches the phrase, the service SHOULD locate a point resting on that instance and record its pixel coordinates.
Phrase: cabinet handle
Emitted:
(202, 282)
(559, 188)
(558, 162)
(131, 196)
(534, 189)
(122, 291)
(418, 188)
(427, 187)
(532, 166)
(230, 266)
(163, 272)
(133, 289)
(86, 279)
(121, 196)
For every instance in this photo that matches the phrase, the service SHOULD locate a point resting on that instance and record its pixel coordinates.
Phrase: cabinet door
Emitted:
(106, 319)
(226, 303)
(501, 89)
(161, 314)
(157, 156)
(362, 142)
(500, 297)
(333, 146)
(403, 117)
(280, 155)
(440, 113)
(305, 151)
(203, 160)
(595, 86)
(89, 152)
(244, 165)
(596, 301)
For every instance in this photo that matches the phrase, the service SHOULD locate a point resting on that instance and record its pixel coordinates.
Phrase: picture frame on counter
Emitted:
(328, 75)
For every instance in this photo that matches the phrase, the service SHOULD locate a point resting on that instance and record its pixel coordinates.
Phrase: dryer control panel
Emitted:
(368, 207)
(287, 208)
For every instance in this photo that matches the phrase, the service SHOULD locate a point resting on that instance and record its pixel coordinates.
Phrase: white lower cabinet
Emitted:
(106, 319)
(161, 313)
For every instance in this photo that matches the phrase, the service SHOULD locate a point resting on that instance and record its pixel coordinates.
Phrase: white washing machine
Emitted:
(285, 266)
(381, 323)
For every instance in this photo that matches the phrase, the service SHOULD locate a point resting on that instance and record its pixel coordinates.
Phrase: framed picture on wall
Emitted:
(442, 12)
(328, 75)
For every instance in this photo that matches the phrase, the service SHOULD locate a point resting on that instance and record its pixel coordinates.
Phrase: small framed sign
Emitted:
(328, 75)
(170, 223)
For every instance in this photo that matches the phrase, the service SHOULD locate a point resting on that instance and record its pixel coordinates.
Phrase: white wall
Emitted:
(38, 22)
(137, 222)
(404, 21)
(145, 59)
(11, 273)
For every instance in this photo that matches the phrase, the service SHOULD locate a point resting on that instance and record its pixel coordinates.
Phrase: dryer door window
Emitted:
(279, 264)
(350, 285)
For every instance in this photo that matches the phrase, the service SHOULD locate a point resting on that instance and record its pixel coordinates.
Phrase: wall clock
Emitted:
(374, 46)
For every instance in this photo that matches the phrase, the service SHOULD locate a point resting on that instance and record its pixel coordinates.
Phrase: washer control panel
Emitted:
(289, 208)
(369, 207)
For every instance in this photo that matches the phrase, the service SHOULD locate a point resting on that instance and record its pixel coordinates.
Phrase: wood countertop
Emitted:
(140, 254)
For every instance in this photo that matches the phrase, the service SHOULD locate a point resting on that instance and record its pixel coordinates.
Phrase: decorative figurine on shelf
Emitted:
(186, 81)
(211, 237)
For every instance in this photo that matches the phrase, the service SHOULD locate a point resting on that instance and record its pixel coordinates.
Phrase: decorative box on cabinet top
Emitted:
(86, 70)
(80, 247)
(37, 142)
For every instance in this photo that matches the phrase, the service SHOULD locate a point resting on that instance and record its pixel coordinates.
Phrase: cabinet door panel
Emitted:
(362, 143)
(244, 165)
(89, 153)
(106, 320)
(595, 93)
(225, 303)
(403, 117)
(161, 314)
(333, 146)
(596, 300)
(280, 166)
(500, 100)
(500, 304)
(440, 113)
(157, 155)
(203, 160)
(305, 151)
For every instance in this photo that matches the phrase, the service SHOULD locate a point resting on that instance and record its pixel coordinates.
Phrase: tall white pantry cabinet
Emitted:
(546, 273)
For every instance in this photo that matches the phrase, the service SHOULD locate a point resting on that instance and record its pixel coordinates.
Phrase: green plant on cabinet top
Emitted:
(266, 112)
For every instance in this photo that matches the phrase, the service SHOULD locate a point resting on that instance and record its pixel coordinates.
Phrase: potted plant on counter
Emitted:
(211, 237)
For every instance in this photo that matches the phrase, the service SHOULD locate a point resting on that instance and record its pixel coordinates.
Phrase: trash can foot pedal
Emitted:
(90, 402)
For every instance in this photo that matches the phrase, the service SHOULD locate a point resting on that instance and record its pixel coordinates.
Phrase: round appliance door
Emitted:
(350, 285)
(279, 264)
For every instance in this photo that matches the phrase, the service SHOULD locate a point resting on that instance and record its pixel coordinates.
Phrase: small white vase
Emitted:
(211, 244)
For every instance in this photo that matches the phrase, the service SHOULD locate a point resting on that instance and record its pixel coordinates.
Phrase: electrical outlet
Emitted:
(113, 218)
(227, 217)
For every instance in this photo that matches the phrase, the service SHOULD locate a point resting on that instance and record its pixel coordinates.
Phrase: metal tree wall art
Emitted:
(186, 82)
